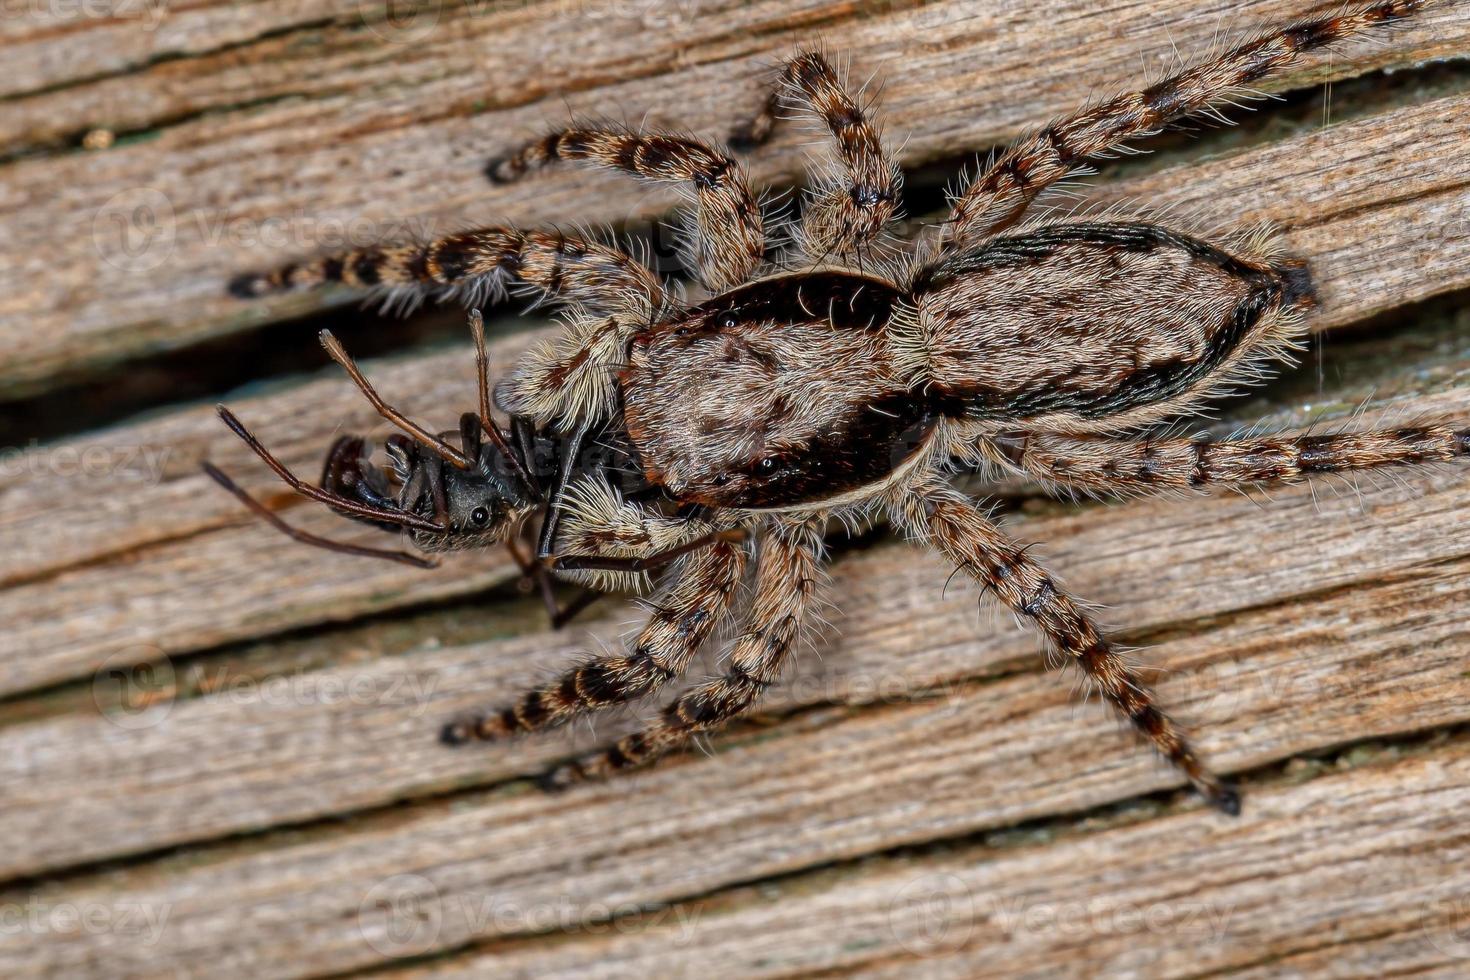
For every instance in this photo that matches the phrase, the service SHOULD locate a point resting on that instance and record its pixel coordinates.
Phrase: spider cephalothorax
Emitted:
(1051, 348)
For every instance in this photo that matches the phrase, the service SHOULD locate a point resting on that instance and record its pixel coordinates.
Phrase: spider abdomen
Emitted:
(1091, 327)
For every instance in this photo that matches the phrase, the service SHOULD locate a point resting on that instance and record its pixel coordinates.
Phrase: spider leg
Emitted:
(1000, 195)
(846, 211)
(1101, 465)
(729, 238)
(941, 515)
(785, 585)
(702, 589)
(563, 268)
(643, 563)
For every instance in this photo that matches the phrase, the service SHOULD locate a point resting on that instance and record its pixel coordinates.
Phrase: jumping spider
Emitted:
(1053, 348)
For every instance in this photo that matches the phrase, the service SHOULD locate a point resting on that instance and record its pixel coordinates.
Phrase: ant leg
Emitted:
(344, 472)
(487, 422)
(265, 514)
(524, 431)
(571, 449)
(538, 576)
(576, 607)
(348, 506)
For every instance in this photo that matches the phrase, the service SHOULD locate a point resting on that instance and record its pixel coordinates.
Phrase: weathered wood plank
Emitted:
(1362, 873)
(66, 48)
(901, 805)
(832, 785)
(1154, 564)
(1377, 244)
(118, 253)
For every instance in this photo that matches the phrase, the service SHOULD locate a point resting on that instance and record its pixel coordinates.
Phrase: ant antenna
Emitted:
(450, 455)
(487, 422)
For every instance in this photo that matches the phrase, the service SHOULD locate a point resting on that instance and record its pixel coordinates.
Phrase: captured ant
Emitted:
(443, 498)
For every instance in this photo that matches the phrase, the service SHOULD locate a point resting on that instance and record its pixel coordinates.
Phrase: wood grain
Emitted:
(831, 785)
(921, 796)
(1145, 561)
(312, 134)
(1380, 890)
(1373, 250)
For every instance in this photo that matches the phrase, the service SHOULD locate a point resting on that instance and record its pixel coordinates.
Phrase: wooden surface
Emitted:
(266, 798)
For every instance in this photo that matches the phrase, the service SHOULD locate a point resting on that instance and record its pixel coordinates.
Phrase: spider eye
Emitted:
(480, 515)
(766, 466)
(729, 322)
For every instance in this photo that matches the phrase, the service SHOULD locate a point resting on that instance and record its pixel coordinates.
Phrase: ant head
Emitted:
(446, 499)
(476, 505)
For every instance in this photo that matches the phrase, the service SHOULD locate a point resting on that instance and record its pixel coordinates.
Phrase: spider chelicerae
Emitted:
(1051, 347)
